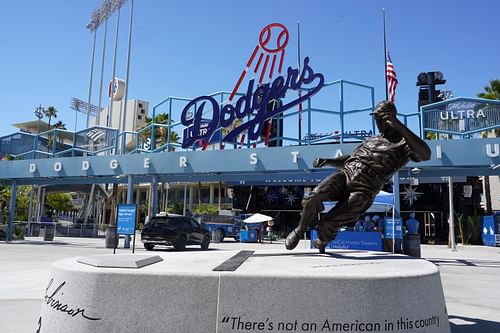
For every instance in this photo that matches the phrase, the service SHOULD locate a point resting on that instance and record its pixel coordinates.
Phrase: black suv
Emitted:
(176, 230)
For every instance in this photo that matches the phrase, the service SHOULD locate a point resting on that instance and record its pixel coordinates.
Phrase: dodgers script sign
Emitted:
(254, 103)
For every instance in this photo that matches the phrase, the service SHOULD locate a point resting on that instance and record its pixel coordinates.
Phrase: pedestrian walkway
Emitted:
(470, 277)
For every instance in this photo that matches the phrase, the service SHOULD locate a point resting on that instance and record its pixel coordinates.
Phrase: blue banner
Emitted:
(355, 240)
(393, 226)
(125, 219)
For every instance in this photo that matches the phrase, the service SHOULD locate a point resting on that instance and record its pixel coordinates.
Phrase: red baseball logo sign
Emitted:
(266, 58)
(266, 47)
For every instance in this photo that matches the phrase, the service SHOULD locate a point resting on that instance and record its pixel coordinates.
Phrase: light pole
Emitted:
(39, 111)
(92, 26)
(123, 116)
(100, 15)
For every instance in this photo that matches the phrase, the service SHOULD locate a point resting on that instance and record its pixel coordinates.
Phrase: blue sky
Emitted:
(190, 48)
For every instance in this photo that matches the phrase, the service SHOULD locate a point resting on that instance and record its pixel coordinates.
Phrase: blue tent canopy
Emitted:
(384, 201)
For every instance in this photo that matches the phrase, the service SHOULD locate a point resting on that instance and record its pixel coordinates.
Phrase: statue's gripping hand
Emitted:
(391, 120)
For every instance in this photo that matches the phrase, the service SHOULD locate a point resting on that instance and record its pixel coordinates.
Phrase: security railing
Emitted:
(332, 110)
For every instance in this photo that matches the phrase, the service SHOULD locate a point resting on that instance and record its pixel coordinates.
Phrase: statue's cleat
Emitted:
(292, 240)
(320, 245)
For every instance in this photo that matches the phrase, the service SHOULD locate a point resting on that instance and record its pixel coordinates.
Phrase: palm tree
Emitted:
(62, 126)
(492, 91)
(161, 133)
(50, 112)
(237, 122)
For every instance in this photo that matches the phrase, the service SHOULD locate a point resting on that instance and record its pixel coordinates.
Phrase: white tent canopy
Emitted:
(258, 218)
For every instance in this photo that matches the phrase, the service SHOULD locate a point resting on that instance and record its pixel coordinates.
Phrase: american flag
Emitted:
(391, 77)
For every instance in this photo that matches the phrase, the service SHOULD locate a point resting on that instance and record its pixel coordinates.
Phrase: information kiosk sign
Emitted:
(393, 228)
(126, 217)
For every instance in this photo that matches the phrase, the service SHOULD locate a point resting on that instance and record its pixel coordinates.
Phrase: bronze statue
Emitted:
(359, 177)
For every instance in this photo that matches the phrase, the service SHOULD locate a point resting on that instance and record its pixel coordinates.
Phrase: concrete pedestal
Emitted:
(265, 291)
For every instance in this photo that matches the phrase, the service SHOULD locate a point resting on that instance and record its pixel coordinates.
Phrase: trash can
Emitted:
(248, 236)
(50, 229)
(34, 229)
(412, 245)
(111, 237)
(491, 229)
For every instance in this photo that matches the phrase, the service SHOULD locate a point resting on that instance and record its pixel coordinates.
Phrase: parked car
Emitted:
(174, 230)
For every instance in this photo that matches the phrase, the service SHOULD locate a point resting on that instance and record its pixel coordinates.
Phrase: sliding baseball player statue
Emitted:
(359, 176)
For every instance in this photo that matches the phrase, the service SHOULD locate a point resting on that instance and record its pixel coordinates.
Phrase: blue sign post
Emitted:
(393, 228)
(125, 221)
(393, 231)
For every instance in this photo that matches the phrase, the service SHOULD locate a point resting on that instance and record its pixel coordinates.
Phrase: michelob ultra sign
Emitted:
(461, 116)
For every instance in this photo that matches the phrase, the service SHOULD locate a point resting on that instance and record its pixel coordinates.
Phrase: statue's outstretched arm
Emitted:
(337, 162)
(419, 149)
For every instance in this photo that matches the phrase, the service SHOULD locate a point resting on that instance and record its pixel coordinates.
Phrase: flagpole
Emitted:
(395, 181)
(299, 91)
(385, 59)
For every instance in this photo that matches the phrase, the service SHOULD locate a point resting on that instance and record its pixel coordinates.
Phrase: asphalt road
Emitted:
(470, 278)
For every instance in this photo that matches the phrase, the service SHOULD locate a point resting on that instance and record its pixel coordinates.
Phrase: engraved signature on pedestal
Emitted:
(51, 300)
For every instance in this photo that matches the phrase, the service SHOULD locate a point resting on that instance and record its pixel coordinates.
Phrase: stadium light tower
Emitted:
(123, 115)
(100, 15)
(92, 25)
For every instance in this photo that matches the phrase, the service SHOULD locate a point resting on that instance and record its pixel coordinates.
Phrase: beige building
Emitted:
(495, 193)
(137, 110)
(135, 119)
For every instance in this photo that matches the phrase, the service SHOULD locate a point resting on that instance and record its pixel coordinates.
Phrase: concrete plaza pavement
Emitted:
(470, 277)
